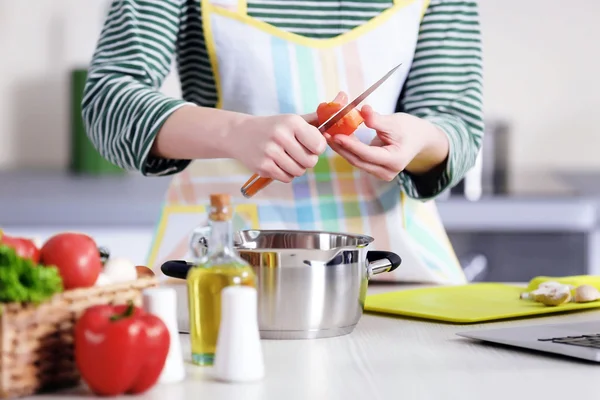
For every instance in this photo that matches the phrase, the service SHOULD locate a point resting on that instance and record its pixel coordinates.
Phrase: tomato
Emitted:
(347, 125)
(24, 248)
(120, 349)
(76, 256)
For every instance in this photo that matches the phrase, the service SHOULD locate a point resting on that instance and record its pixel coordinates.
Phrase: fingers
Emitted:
(302, 156)
(311, 138)
(370, 154)
(311, 118)
(270, 169)
(293, 147)
(376, 170)
(341, 98)
(374, 120)
(294, 128)
(289, 166)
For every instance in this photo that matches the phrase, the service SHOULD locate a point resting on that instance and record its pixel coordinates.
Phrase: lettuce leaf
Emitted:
(21, 280)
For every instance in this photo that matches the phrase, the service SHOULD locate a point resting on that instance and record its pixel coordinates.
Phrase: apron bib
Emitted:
(263, 70)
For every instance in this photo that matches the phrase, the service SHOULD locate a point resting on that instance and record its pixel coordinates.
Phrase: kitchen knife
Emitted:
(256, 183)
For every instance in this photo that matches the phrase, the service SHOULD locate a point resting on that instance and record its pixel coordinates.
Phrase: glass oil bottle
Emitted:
(220, 267)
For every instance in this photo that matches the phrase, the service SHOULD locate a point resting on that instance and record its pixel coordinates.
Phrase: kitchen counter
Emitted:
(393, 358)
(53, 199)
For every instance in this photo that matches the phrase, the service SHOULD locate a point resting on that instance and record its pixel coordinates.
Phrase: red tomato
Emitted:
(345, 126)
(24, 248)
(120, 349)
(76, 256)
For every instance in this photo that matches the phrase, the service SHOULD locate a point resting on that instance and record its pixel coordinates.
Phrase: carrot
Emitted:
(347, 125)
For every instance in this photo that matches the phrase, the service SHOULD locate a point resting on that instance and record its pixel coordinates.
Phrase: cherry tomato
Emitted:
(24, 248)
(345, 126)
(76, 256)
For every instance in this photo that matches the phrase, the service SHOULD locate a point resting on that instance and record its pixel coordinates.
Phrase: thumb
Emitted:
(311, 118)
(374, 120)
(341, 98)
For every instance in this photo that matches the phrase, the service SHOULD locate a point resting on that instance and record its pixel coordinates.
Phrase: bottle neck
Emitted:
(221, 237)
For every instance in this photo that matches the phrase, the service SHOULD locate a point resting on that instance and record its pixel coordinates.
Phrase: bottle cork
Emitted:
(220, 207)
(220, 200)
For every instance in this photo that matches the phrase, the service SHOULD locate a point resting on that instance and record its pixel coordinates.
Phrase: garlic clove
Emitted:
(120, 269)
(586, 293)
(102, 280)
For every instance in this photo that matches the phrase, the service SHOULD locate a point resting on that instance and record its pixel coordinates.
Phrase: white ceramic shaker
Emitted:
(238, 356)
(162, 302)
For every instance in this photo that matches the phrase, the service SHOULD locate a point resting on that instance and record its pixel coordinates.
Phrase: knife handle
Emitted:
(254, 185)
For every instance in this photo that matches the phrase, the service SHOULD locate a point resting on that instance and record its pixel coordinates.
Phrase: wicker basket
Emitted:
(37, 342)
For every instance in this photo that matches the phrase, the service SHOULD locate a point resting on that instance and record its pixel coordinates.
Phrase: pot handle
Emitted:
(176, 269)
(381, 261)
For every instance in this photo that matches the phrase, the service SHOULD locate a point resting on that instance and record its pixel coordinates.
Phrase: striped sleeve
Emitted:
(445, 87)
(123, 109)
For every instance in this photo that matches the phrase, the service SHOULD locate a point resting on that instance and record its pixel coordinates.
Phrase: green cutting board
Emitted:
(477, 302)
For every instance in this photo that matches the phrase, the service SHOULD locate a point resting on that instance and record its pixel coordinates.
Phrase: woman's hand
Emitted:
(403, 142)
(280, 147)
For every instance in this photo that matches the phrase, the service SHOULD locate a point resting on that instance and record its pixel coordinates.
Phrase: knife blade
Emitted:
(256, 183)
(335, 118)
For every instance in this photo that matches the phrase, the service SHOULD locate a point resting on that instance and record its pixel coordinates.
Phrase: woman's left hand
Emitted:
(403, 142)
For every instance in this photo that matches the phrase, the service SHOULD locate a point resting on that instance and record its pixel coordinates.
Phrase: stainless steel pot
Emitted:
(310, 284)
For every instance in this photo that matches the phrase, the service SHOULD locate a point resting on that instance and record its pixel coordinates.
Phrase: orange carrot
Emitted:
(347, 125)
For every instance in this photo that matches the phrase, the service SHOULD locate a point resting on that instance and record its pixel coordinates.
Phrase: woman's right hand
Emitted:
(280, 147)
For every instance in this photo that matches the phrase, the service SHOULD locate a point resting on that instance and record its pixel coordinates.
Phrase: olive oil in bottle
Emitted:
(219, 268)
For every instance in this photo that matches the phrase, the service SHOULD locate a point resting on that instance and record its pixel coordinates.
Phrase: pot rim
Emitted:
(364, 239)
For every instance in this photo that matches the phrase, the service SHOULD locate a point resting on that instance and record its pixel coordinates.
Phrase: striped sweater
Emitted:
(123, 108)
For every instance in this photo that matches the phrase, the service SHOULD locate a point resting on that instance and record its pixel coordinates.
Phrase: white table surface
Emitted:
(393, 358)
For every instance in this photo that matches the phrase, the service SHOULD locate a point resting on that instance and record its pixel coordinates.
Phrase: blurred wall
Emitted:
(541, 73)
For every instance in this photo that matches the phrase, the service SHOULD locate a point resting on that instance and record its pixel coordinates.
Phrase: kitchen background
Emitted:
(531, 207)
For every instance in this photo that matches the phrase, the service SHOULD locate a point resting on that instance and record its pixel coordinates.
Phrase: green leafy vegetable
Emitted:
(21, 280)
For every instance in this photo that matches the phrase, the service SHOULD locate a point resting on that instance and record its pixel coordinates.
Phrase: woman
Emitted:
(252, 75)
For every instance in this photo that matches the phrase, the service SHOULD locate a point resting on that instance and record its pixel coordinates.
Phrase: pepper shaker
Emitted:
(162, 302)
(238, 356)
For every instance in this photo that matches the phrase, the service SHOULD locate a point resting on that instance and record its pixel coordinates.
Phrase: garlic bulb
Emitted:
(554, 285)
(555, 298)
(120, 269)
(102, 280)
(550, 294)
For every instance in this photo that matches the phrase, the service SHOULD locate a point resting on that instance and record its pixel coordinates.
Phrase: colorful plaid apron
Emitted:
(263, 70)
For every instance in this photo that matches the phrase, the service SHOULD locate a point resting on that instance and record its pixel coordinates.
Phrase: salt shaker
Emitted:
(238, 356)
(162, 303)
